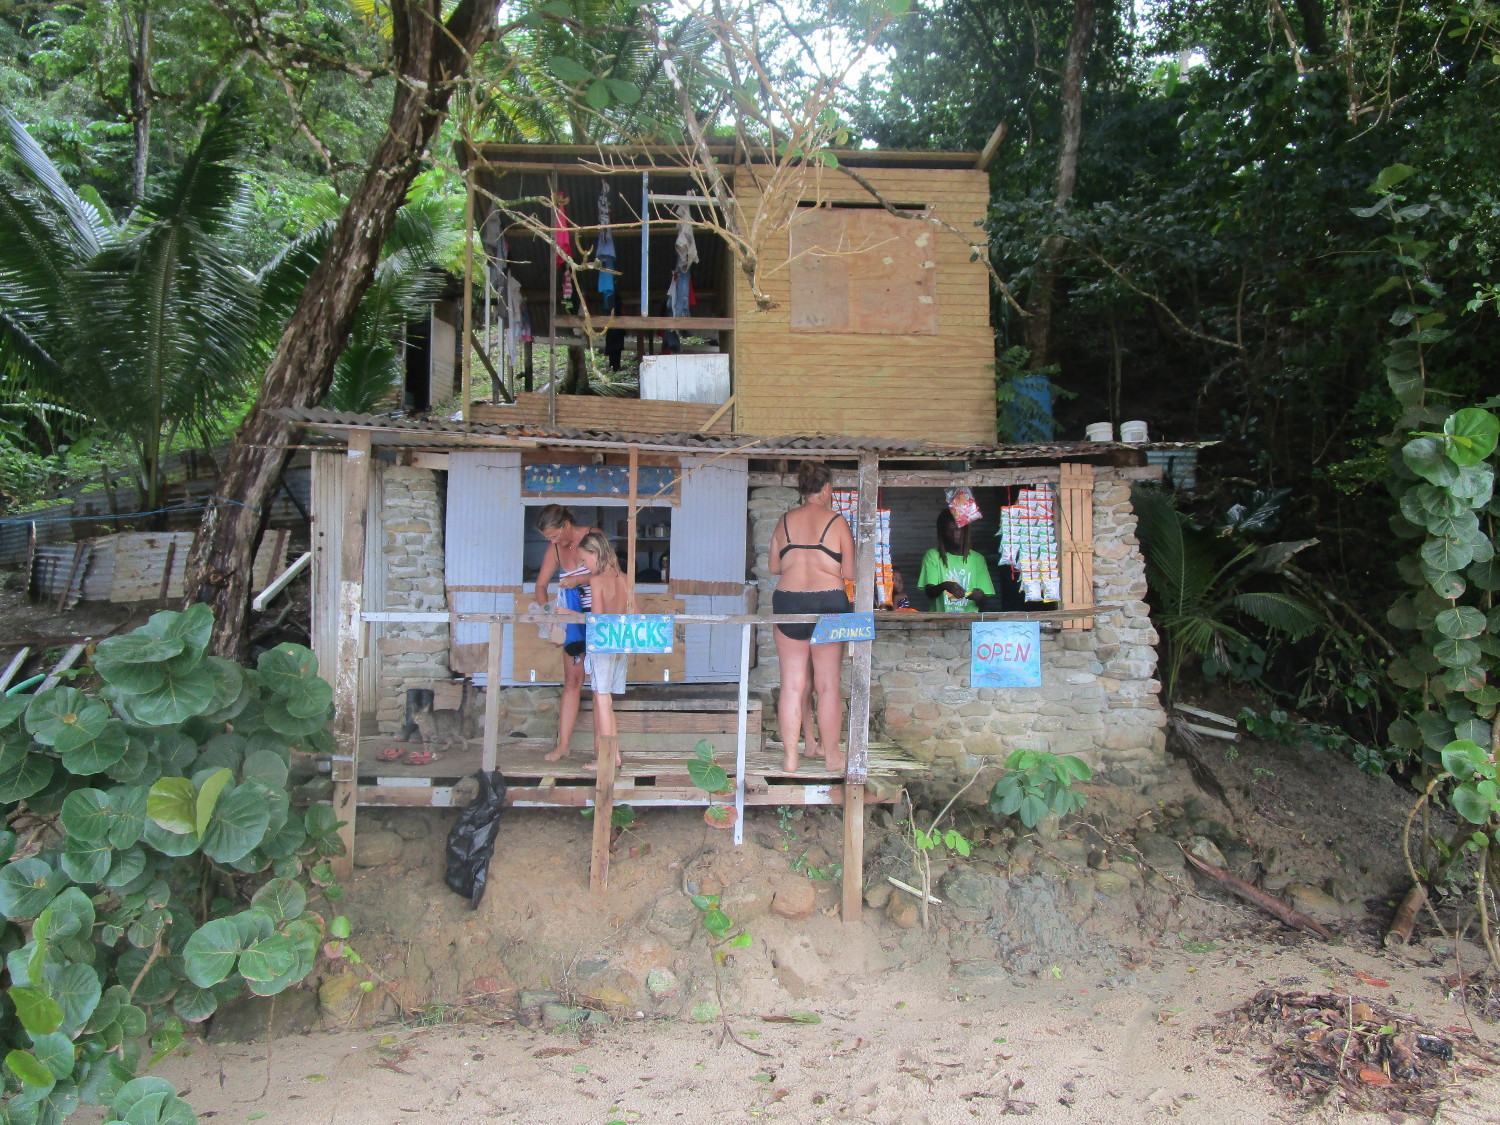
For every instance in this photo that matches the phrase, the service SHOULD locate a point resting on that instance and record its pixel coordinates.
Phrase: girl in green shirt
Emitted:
(953, 576)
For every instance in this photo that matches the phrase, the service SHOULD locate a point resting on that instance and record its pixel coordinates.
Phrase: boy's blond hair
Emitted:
(597, 543)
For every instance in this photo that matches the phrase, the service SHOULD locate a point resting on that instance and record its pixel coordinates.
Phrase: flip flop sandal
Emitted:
(420, 757)
(390, 754)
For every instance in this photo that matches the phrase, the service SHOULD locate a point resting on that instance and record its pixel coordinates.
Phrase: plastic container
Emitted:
(1100, 431)
(1133, 432)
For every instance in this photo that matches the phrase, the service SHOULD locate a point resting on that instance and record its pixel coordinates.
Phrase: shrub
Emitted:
(153, 865)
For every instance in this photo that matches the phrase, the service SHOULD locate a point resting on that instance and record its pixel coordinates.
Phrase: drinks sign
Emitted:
(1005, 654)
(837, 628)
(629, 632)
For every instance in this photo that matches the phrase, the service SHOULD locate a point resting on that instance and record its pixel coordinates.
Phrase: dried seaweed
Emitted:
(1331, 1047)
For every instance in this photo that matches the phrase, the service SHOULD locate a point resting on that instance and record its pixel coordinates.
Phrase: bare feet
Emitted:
(834, 762)
(791, 762)
(593, 767)
(556, 755)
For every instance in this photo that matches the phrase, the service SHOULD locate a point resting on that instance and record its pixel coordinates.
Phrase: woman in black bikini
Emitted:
(555, 522)
(812, 552)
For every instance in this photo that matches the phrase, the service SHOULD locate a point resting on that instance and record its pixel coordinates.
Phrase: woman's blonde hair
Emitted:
(597, 544)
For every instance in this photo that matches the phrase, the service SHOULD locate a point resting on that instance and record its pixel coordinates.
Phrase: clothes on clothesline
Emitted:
(605, 252)
(562, 238)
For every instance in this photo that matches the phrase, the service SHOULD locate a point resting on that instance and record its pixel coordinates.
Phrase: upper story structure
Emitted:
(872, 316)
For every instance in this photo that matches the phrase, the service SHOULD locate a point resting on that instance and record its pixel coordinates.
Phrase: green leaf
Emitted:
(182, 695)
(86, 815)
(55, 1052)
(596, 95)
(1461, 758)
(208, 798)
(98, 753)
(895, 7)
(568, 70)
(238, 825)
(86, 863)
(312, 698)
(1426, 457)
(172, 803)
(194, 1004)
(1447, 555)
(267, 767)
(27, 886)
(210, 953)
(1456, 654)
(626, 93)
(63, 718)
(716, 922)
(1461, 622)
(282, 899)
(24, 1065)
(268, 959)
(1470, 804)
(739, 941)
(38, 1012)
(1472, 435)
(78, 989)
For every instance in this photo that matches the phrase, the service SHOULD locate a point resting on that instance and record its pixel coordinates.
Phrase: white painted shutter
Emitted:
(708, 545)
(483, 533)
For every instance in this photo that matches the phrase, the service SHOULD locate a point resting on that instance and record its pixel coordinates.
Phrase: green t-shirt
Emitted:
(971, 572)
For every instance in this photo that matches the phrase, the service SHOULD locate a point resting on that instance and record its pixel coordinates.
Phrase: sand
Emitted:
(900, 1048)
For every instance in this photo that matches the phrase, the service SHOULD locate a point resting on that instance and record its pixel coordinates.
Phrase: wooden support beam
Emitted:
(717, 414)
(492, 699)
(741, 731)
(991, 147)
(635, 455)
(597, 324)
(69, 658)
(263, 598)
(1075, 523)
(356, 503)
(857, 764)
(13, 667)
(466, 363)
(604, 812)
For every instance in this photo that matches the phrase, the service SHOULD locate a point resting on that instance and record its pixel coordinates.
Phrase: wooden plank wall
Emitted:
(593, 412)
(1075, 525)
(917, 386)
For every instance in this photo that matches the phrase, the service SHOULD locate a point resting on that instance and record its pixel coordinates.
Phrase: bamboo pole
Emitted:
(351, 636)
(465, 382)
(857, 760)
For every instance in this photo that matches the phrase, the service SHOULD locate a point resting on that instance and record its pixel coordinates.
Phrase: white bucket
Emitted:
(1100, 431)
(1133, 432)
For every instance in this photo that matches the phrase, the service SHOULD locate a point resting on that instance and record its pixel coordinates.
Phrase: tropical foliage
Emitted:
(154, 866)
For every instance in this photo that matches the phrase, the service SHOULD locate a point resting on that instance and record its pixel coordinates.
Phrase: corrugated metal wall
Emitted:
(484, 530)
(709, 532)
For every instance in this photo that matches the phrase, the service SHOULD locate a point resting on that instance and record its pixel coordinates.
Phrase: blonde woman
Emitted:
(562, 560)
(812, 554)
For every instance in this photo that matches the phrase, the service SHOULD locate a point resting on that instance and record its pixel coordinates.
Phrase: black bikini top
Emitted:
(836, 556)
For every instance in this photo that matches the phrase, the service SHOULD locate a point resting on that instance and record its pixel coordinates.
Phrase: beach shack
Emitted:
(869, 349)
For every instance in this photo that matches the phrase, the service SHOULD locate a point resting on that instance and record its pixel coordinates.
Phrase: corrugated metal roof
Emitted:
(433, 433)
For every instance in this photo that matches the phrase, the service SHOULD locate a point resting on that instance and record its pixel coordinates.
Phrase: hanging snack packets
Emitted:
(962, 504)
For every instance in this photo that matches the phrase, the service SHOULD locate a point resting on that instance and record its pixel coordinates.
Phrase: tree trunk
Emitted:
(428, 57)
(137, 43)
(1044, 281)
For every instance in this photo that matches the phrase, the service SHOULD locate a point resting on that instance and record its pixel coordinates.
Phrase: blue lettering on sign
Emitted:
(629, 632)
(1005, 654)
(596, 480)
(839, 628)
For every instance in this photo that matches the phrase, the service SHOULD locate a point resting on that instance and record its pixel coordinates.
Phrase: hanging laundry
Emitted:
(1028, 542)
(686, 244)
(496, 248)
(605, 252)
(562, 238)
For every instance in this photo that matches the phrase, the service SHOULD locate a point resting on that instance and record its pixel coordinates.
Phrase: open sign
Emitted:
(1005, 654)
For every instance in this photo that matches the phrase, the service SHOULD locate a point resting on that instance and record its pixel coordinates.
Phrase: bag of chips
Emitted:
(962, 504)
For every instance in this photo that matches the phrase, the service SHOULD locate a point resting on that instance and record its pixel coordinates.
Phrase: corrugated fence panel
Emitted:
(327, 537)
(708, 545)
(483, 533)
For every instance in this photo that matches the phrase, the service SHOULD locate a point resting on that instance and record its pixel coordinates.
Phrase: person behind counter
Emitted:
(956, 578)
(563, 535)
(812, 553)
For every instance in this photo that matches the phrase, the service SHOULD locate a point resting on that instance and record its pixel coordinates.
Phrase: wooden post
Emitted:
(604, 811)
(630, 530)
(466, 387)
(13, 667)
(857, 761)
(492, 699)
(1075, 500)
(351, 638)
(740, 732)
(166, 574)
(552, 310)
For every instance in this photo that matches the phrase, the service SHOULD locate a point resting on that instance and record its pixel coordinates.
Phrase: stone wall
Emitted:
(1099, 694)
(411, 654)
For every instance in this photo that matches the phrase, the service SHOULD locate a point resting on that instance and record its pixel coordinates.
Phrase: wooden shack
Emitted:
(871, 352)
(877, 293)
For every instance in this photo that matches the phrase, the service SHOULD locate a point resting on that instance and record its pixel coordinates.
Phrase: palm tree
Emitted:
(1198, 586)
(145, 325)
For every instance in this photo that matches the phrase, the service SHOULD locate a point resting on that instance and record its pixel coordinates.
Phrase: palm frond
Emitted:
(1283, 612)
(85, 223)
(1178, 569)
(365, 377)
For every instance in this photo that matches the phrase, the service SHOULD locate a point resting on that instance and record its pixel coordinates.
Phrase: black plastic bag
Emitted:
(471, 842)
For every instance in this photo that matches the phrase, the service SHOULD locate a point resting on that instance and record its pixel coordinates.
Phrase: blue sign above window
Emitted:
(597, 480)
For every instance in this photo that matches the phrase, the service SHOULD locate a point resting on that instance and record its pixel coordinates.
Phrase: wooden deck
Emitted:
(654, 773)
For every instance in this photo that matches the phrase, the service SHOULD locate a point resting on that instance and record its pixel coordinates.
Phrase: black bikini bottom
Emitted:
(807, 601)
